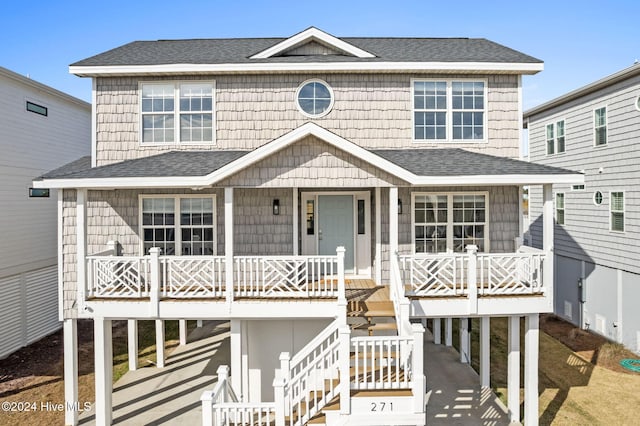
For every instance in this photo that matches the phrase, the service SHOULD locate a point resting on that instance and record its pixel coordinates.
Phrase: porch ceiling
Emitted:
(421, 167)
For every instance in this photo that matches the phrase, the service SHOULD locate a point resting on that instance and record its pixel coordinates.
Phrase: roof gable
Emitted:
(313, 35)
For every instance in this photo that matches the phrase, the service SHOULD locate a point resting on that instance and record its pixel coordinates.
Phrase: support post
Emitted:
(472, 281)
(207, 407)
(223, 377)
(437, 331)
(344, 354)
(154, 286)
(236, 359)
(278, 397)
(417, 364)
(285, 366)
(340, 251)
(531, 348)
(103, 353)
(465, 350)
(70, 371)
(228, 244)
(393, 221)
(182, 331)
(378, 219)
(548, 243)
(81, 247)
(513, 369)
(160, 355)
(199, 323)
(448, 332)
(296, 218)
(485, 352)
(132, 344)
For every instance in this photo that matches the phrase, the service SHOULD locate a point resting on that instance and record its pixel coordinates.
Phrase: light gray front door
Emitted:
(335, 227)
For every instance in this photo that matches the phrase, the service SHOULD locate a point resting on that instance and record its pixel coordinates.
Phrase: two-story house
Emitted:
(270, 181)
(40, 128)
(594, 129)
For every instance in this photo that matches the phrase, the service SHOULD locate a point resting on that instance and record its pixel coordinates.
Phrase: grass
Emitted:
(50, 388)
(572, 390)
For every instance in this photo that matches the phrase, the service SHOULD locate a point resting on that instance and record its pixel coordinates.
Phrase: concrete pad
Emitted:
(454, 393)
(171, 395)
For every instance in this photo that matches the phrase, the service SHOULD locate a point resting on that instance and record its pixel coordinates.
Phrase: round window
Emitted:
(597, 198)
(314, 98)
(638, 103)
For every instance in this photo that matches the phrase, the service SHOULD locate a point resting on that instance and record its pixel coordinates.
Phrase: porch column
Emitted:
(236, 359)
(81, 245)
(513, 369)
(160, 343)
(531, 342)
(228, 243)
(485, 352)
(182, 330)
(103, 353)
(393, 221)
(448, 331)
(547, 242)
(132, 343)
(465, 346)
(378, 273)
(437, 331)
(296, 217)
(70, 371)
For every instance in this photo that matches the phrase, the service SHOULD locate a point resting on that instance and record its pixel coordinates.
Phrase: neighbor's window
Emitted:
(600, 121)
(560, 208)
(449, 110)
(617, 211)
(555, 137)
(597, 198)
(38, 109)
(188, 104)
(192, 234)
(444, 222)
(314, 98)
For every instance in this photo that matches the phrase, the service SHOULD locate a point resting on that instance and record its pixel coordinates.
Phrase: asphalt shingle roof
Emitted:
(239, 51)
(421, 162)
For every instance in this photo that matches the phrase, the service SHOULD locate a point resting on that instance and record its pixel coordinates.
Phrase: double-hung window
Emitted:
(444, 222)
(182, 224)
(616, 209)
(177, 112)
(560, 208)
(555, 137)
(449, 110)
(600, 126)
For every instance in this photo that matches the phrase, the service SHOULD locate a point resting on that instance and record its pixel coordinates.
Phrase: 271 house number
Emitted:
(381, 406)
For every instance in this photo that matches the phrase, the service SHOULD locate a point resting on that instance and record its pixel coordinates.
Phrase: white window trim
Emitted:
(487, 218)
(449, 119)
(637, 103)
(323, 113)
(624, 211)
(593, 198)
(574, 189)
(606, 125)
(178, 235)
(564, 207)
(176, 113)
(554, 123)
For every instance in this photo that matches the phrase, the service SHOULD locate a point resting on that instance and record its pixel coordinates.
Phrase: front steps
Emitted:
(372, 318)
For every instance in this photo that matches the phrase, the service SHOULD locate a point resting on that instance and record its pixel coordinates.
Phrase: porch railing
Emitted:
(197, 277)
(472, 273)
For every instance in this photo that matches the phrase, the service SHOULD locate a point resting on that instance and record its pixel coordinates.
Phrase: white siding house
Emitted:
(40, 128)
(597, 224)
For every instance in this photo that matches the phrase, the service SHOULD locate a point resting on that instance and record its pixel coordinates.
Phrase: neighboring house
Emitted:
(596, 130)
(307, 172)
(40, 128)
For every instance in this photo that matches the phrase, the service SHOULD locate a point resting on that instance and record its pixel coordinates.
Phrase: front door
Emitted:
(331, 220)
(335, 227)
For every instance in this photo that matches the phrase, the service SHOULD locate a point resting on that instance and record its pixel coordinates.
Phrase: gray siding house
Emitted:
(40, 128)
(594, 129)
(303, 172)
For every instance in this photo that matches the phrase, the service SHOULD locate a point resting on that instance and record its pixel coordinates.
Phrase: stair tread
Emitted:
(334, 404)
(384, 326)
(380, 313)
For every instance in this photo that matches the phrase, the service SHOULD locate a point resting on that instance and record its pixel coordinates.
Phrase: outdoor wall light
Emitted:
(276, 207)
(399, 206)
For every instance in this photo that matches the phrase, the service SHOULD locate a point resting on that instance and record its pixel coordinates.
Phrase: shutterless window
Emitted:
(361, 218)
(431, 218)
(600, 119)
(469, 217)
(449, 110)
(38, 109)
(158, 224)
(560, 136)
(555, 137)
(189, 104)
(560, 208)
(617, 211)
(550, 139)
(310, 215)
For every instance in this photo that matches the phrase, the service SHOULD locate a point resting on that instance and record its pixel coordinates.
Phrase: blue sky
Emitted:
(579, 41)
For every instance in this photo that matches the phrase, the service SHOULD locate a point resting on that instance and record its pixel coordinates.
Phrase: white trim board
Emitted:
(307, 129)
